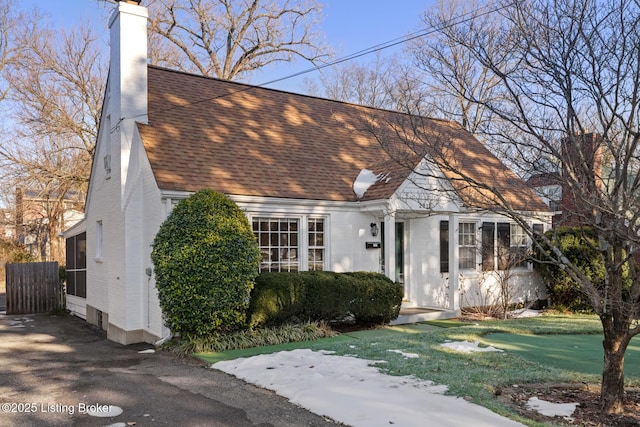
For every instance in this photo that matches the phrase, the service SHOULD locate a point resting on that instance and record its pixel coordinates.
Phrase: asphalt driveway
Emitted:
(61, 371)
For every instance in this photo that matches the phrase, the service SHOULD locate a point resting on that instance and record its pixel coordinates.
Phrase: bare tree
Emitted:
(55, 88)
(458, 85)
(230, 39)
(7, 22)
(560, 72)
(498, 292)
(370, 84)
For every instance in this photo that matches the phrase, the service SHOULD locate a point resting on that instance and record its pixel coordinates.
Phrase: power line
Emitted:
(391, 43)
(466, 17)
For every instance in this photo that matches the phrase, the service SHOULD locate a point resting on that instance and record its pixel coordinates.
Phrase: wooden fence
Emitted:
(33, 288)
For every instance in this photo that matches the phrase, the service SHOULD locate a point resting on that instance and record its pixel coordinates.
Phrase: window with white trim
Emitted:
(504, 246)
(278, 242)
(99, 234)
(316, 244)
(282, 246)
(467, 245)
(518, 246)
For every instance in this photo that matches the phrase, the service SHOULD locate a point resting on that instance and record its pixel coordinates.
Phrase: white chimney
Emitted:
(128, 66)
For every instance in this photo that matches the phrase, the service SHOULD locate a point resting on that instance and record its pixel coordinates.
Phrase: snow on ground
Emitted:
(524, 312)
(351, 391)
(468, 347)
(551, 409)
(405, 355)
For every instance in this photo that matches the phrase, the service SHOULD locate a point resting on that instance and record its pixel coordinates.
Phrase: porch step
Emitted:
(415, 315)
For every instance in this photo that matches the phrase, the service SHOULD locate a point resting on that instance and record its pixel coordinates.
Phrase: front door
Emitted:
(399, 275)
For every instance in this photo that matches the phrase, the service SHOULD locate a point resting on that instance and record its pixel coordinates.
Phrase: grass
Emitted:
(537, 350)
(563, 351)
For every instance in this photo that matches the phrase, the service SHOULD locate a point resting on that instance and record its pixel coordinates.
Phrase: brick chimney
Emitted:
(582, 177)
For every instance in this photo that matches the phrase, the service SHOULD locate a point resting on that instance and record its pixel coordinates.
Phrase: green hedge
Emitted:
(323, 296)
(276, 298)
(580, 246)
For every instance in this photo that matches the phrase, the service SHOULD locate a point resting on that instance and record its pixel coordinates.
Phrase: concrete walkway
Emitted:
(60, 371)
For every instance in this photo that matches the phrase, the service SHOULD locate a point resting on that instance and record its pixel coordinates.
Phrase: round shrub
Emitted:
(205, 258)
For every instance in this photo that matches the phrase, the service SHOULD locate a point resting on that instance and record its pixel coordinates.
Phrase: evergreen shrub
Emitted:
(580, 246)
(276, 299)
(205, 258)
(361, 297)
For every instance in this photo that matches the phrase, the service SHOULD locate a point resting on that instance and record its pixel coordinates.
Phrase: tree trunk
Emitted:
(612, 390)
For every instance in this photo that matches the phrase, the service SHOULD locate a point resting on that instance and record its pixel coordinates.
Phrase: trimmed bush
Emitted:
(378, 298)
(366, 298)
(327, 296)
(205, 258)
(276, 298)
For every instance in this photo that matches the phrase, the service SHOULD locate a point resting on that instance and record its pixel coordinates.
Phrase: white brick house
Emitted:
(319, 190)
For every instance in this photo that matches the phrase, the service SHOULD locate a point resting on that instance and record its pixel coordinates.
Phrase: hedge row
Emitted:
(366, 298)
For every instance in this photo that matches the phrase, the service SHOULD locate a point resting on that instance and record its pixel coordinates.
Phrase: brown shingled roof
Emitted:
(246, 140)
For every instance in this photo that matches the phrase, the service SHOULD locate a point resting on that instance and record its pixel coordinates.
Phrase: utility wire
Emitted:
(376, 48)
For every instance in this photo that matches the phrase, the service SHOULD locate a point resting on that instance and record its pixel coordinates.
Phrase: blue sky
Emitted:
(349, 26)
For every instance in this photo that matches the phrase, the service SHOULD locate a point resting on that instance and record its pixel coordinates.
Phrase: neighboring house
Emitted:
(583, 154)
(549, 187)
(38, 221)
(319, 190)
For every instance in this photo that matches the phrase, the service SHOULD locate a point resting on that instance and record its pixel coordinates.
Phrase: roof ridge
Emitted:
(249, 86)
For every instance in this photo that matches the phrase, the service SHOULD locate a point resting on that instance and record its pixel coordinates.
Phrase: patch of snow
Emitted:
(468, 347)
(525, 312)
(352, 391)
(405, 355)
(365, 179)
(147, 351)
(551, 409)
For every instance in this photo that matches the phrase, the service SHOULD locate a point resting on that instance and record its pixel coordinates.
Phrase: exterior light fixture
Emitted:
(374, 229)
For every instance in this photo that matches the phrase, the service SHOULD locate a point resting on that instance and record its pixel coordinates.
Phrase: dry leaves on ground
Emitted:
(587, 413)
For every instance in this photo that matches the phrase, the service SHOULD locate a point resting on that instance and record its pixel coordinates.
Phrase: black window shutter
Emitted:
(444, 246)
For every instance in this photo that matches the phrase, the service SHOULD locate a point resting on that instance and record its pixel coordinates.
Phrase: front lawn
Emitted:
(548, 349)
(579, 353)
